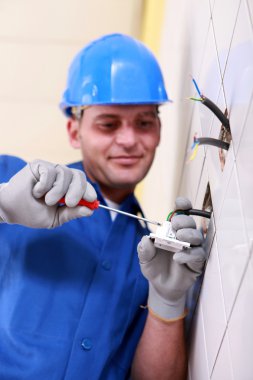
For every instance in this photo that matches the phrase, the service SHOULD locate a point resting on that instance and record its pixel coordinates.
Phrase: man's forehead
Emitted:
(122, 110)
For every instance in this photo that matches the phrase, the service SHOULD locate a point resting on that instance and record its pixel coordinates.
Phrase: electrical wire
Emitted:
(192, 211)
(194, 151)
(213, 107)
(218, 113)
(214, 142)
(197, 87)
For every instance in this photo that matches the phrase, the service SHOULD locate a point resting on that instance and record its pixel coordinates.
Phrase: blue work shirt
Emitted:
(70, 297)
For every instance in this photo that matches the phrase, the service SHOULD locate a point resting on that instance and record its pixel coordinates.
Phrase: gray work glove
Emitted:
(31, 196)
(171, 275)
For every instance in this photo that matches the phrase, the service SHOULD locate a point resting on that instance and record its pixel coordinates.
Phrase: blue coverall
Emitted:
(70, 297)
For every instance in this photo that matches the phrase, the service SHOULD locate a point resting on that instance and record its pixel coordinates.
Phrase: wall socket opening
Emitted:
(207, 206)
(225, 135)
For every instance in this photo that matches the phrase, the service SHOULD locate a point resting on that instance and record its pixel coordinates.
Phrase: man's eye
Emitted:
(108, 125)
(145, 124)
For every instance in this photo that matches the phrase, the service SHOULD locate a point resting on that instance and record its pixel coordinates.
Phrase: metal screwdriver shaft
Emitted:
(131, 215)
(95, 204)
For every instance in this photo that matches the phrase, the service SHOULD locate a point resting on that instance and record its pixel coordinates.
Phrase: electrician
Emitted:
(76, 300)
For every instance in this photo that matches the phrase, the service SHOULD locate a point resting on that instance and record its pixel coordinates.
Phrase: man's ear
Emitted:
(160, 126)
(73, 132)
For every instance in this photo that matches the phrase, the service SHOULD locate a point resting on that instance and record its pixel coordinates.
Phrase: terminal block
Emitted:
(165, 238)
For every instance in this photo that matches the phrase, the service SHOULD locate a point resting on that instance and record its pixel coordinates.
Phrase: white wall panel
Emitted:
(250, 6)
(223, 366)
(198, 367)
(232, 243)
(238, 78)
(224, 16)
(209, 81)
(240, 330)
(222, 58)
(192, 168)
(212, 303)
(244, 162)
(197, 40)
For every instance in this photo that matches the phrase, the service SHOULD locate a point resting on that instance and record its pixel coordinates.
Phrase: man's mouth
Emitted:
(126, 160)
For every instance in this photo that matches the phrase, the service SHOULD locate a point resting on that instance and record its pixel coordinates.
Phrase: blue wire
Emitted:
(197, 87)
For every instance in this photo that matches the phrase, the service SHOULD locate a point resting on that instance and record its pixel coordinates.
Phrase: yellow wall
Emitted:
(153, 11)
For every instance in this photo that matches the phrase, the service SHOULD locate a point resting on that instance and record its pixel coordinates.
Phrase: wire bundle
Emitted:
(219, 114)
(192, 211)
(209, 104)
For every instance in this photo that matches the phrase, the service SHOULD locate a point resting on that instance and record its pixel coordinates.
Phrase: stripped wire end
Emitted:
(195, 99)
(194, 148)
(196, 86)
(194, 152)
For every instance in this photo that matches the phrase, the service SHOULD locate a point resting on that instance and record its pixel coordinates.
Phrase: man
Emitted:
(74, 298)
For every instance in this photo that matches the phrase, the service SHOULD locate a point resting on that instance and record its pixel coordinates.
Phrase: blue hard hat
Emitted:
(114, 69)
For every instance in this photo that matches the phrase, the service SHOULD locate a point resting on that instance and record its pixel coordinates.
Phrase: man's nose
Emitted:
(126, 136)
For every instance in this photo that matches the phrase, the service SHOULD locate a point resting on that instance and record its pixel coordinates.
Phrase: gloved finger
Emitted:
(65, 214)
(146, 250)
(45, 174)
(194, 258)
(60, 187)
(183, 203)
(76, 188)
(182, 221)
(90, 193)
(190, 235)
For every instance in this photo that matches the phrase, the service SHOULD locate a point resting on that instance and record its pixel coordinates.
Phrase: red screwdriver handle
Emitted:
(91, 205)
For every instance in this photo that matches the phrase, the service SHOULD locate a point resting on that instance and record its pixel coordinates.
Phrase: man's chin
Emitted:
(124, 183)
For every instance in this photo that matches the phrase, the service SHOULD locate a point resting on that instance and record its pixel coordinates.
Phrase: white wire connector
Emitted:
(165, 238)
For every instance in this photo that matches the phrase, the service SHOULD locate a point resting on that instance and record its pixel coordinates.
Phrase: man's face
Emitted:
(118, 144)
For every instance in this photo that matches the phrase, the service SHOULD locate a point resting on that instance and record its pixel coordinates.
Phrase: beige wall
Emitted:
(37, 42)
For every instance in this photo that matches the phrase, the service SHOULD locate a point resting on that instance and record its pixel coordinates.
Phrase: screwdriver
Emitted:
(96, 204)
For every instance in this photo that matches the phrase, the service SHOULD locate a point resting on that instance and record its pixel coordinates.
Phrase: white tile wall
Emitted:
(224, 14)
(240, 330)
(198, 366)
(238, 77)
(221, 342)
(223, 366)
(212, 302)
(193, 168)
(244, 160)
(232, 242)
(209, 81)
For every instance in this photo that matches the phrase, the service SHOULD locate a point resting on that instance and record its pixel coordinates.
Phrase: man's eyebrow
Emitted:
(153, 114)
(106, 116)
(148, 113)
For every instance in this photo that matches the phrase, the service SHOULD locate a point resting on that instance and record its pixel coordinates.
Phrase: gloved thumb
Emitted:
(146, 250)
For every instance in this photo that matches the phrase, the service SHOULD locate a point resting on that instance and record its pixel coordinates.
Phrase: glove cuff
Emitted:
(165, 320)
(164, 308)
